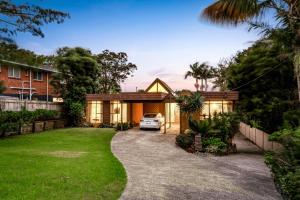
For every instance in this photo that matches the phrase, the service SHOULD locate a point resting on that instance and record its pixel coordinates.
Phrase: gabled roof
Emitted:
(162, 83)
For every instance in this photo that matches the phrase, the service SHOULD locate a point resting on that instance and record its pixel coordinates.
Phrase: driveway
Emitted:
(158, 169)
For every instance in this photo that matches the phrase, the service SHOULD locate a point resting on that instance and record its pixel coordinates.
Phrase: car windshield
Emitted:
(150, 115)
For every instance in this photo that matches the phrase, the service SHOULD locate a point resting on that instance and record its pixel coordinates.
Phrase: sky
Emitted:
(162, 37)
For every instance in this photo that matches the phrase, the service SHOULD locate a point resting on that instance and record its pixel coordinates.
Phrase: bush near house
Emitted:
(285, 164)
(216, 134)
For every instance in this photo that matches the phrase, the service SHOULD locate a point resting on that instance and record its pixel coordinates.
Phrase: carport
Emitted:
(131, 106)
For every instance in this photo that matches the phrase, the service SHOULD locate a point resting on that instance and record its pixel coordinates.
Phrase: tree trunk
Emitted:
(297, 69)
(206, 86)
(202, 85)
(197, 85)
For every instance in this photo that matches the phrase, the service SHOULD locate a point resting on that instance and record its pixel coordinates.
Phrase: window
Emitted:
(14, 72)
(38, 76)
(116, 111)
(95, 112)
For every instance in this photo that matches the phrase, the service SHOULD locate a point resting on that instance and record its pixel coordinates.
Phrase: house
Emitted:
(157, 98)
(27, 82)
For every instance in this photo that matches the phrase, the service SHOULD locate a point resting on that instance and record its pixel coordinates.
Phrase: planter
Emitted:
(198, 143)
(49, 125)
(26, 128)
(39, 126)
(60, 123)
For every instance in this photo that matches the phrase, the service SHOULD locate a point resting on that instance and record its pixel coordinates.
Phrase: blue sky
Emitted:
(162, 37)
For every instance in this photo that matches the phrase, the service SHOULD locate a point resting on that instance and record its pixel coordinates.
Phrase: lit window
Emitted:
(38, 76)
(14, 72)
(95, 109)
(116, 111)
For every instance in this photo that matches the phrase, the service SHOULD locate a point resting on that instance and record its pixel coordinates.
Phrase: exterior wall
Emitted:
(106, 112)
(259, 138)
(137, 112)
(154, 108)
(40, 87)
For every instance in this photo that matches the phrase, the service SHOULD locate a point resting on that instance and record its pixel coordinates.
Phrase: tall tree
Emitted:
(114, 69)
(198, 72)
(26, 18)
(263, 100)
(286, 13)
(220, 80)
(78, 74)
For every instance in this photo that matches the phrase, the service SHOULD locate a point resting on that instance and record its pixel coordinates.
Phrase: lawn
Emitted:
(74, 163)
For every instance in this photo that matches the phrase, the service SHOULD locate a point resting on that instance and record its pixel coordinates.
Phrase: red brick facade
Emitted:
(39, 87)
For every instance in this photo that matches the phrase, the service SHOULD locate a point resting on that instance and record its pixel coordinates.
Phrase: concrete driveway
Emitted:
(158, 169)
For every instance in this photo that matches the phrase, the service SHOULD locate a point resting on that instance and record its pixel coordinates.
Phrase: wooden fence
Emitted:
(17, 105)
(259, 138)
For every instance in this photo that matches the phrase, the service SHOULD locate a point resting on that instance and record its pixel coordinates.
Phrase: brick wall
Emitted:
(40, 87)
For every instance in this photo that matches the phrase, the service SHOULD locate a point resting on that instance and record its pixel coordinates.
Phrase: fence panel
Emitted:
(17, 105)
(259, 137)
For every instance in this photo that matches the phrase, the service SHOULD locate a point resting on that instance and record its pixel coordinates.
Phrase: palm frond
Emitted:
(231, 12)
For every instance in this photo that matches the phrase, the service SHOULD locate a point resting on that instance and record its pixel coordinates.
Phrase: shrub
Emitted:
(125, 127)
(214, 145)
(291, 119)
(285, 164)
(43, 115)
(199, 126)
(75, 113)
(185, 141)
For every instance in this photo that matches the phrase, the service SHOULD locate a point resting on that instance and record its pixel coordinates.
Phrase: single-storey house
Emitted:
(157, 98)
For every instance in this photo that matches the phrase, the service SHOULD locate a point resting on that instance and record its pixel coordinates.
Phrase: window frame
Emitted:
(14, 69)
(36, 77)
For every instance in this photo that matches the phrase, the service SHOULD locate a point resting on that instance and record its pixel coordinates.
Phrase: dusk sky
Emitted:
(162, 37)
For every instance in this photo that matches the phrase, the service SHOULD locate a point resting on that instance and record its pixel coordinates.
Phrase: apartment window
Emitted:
(14, 72)
(38, 76)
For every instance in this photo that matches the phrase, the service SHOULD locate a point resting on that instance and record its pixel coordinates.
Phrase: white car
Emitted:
(151, 120)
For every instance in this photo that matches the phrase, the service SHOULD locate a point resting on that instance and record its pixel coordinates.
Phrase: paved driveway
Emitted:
(158, 169)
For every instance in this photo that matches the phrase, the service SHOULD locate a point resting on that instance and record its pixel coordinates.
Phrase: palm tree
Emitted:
(198, 72)
(195, 72)
(286, 13)
(208, 73)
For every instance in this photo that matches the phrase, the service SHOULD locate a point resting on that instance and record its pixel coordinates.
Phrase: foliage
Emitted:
(227, 124)
(214, 145)
(285, 164)
(67, 160)
(114, 69)
(123, 126)
(2, 87)
(77, 77)
(185, 141)
(11, 120)
(26, 18)
(219, 75)
(75, 113)
(265, 99)
(12, 52)
(200, 72)
(199, 126)
(291, 119)
(189, 103)
(286, 15)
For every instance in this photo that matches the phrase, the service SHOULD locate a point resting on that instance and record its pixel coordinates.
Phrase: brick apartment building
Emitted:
(27, 82)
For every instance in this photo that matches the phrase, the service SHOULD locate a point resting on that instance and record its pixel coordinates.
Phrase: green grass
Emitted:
(72, 164)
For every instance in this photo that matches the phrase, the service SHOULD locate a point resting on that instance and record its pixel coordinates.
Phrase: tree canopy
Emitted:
(114, 68)
(272, 85)
(26, 17)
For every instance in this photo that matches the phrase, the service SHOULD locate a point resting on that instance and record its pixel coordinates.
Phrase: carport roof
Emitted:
(128, 96)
